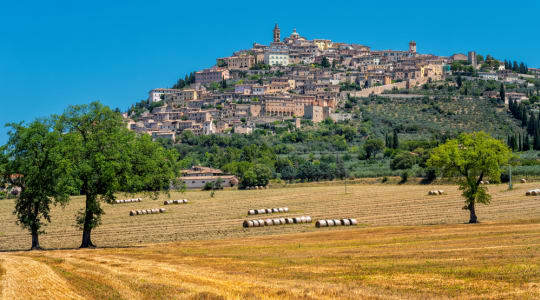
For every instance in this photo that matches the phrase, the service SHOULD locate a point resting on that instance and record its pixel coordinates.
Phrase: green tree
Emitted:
(471, 158)
(325, 63)
(402, 161)
(395, 140)
(107, 158)
(372, 147)
(32, 160)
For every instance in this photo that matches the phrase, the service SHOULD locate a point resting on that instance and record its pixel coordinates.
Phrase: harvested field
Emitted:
(221, 217)
(481, 261)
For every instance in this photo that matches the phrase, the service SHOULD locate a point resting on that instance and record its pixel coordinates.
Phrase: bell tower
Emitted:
(277, 34)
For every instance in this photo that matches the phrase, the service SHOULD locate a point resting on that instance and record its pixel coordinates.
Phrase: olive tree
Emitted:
(471, 158)
(108, 158)
(32, 161)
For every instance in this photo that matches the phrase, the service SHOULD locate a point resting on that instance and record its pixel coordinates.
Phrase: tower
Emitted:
(277, 34)
(412, 46)
(471, 57)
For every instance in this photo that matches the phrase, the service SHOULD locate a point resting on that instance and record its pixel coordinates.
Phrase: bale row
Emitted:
(167, 202)
(535, 192)
(268, 210)
(147, 211)
(257, 187)
(276, 221)
(330, 223)
(436, 192)
(128, 200)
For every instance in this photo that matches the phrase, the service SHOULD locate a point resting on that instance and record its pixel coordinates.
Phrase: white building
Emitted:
(277, 55)
(155, 94)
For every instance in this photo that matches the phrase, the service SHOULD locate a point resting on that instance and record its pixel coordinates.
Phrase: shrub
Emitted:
(404, 177)
(403, 161)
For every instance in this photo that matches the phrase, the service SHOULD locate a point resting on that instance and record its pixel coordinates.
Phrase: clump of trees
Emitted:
(88, 151)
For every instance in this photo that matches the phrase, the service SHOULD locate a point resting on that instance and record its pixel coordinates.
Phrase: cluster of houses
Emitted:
(291, 78)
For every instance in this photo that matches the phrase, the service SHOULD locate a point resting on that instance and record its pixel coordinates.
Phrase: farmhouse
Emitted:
(198, 176)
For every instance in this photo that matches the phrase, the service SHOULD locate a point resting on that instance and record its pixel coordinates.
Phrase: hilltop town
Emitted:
(296, 79)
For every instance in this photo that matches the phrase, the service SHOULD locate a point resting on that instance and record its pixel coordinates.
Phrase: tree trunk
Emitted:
(87, 227)
(472, 218)
(35, 241)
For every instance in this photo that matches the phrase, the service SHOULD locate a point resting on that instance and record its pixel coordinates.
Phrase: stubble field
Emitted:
(151, 258)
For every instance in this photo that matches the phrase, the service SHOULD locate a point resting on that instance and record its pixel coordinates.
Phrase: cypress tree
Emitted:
(395, 143)
(526, 143)
(502, 93)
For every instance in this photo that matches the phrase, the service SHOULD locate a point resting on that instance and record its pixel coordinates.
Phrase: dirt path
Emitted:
(26, 278)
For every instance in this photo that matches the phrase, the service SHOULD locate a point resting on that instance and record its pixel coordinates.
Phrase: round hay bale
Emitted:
(290, 221)
(268, 211)
(143, 212)
(148, 211)
(162, 210)
(276, 221)
(523, 180)
(308, 219)
(268, 222)
(185, 201)
(353, 221)
(527, 193)
(285, 209)
(303, 219)
(487, 181)
(165, 202)
(534, 193)
(255, 223)
(430, 193)
(140, 212)
(280, 209)
(296, 220)
(345, 222)
(132, 213)
(320, 223)
(251, 212)
(337, 222)
(261, 211)
(261, 223)
(245, 224)
(275, 210)
(330, 223)
(441, 192)
(283, 221)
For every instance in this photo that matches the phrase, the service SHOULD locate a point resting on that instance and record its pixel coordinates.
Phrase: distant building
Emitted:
(459, 57)
(198, 176)
(488, 76)
(276, 56)
(277, 34)
(314, 113)
(412, 46)
(215, 74)
(471, 58)
(155, 94)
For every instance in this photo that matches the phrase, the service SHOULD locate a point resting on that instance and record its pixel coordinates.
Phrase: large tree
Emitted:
(471, 158)
(108, 158)
(32, 161)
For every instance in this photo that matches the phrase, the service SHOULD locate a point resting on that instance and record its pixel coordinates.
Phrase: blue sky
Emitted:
(57, 53)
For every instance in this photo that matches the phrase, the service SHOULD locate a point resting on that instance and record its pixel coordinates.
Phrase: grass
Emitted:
(207, 218)
(498, 260)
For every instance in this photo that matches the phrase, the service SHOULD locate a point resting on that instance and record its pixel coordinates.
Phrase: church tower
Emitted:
(277, 34)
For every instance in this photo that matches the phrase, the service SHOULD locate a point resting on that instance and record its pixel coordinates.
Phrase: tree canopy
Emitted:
(107, 158)
(33, 161)
(471, 158)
